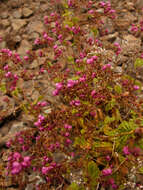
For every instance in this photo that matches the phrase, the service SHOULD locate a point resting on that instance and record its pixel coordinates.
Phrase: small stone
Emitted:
(25, 45)
(118, 69)
(34, 64)
(17, 24)
(110, 37)
(130, 44)
(17, 39)
(17, 14)
(27, 12)
(36, 26)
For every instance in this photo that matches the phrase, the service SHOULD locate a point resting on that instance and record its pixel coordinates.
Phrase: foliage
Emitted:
(98, 125)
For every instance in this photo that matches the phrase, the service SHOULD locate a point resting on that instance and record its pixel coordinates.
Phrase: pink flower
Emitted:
(16, 168)
(59, 86)
(8, 74)
(26, 58)
(55, 92)
(126, 150)
(55, 47)
(136, 151)
(107, 171)
(93, 93)
(136, 87)
(45, 170)
(46, 20)
(37, 41)
(71, 83)
(90, 61)
(16, 156)
(44, 103)
(70, 3)
(66, 126)
(68, 141)
(67, 134)
(6, 67)
(26, 161)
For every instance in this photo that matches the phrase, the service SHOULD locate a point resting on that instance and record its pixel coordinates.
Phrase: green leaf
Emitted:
(75, 20)
(109, 120)
(95, 31)
(37, 100)
(109, 131)
(93, 170)
(141, 170)
(75, 186)
(75, 78)
(15, 92)
(118, 89)
(138, 63)
(49, 64)
(80, 141)
(3, 88)
(110, 105)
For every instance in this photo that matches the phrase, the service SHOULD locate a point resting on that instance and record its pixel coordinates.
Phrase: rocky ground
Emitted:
(21, 21)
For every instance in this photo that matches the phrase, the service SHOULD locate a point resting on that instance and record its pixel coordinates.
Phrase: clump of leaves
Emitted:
(98, 128)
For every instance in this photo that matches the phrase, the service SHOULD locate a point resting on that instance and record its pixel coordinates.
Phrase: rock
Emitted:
(17, 39)
(33, 36)
(122, 24)
(36, 26)
(15, 3)
(17, 127)
(2, 45)
(118, 69)
(5, 23)
(4, 15)
(139, 4)
(130, 44)
(17, 24)
(34, 64)
(130, 6)
(130, 17)
(6, 183)
(27, 12)
(110, 37)
(35, 95)
(25, 45)
(5, 101)
(17, 14)
(59, 157)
